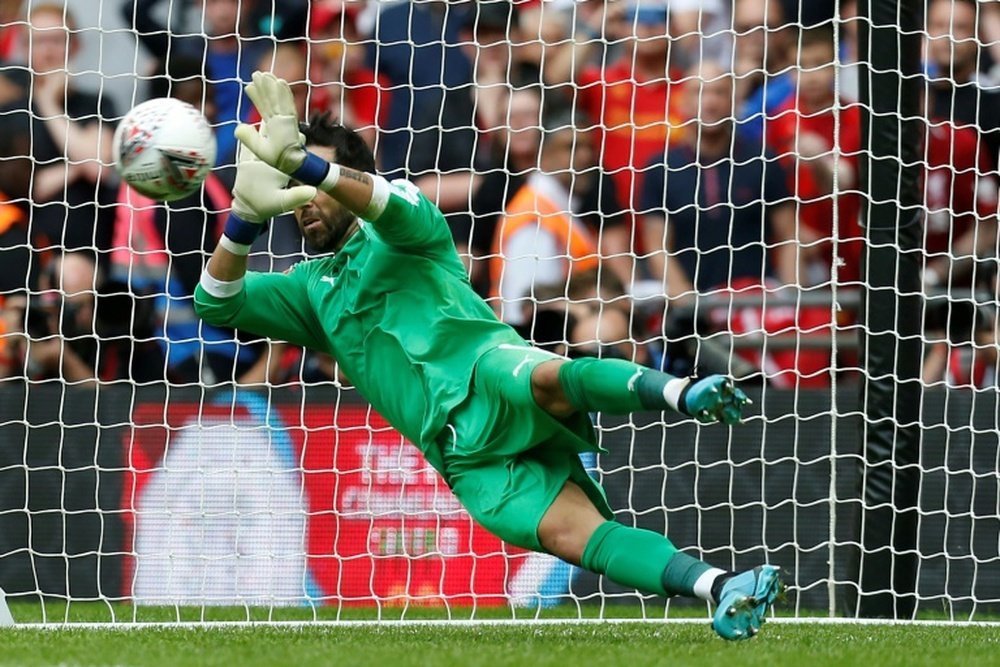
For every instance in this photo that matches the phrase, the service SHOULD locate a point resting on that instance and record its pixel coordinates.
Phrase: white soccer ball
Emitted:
(164, 148)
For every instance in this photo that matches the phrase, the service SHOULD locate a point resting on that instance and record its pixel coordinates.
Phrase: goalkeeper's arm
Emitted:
(272, 305)
(260, 193)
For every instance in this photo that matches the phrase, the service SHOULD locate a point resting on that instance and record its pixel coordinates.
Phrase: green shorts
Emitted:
(505, 458)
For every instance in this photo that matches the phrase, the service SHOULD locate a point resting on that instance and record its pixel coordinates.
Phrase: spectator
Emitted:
(456, 138)
(513, 163)
(65, 140)
(730, 213)
(578, 35)
(960, 193)
(342, 83)
(725, 221)
(763, 57)
(227, 49)
(539, 26)
(416, 47)
(962, 147)
(819, 139)
(634, 99)
(954, 93)
(540, 240)
(160, 249)
(79, 333)
(702, 27)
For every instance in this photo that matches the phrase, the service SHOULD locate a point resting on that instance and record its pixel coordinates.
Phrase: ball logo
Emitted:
(134, 143)
(181, 168)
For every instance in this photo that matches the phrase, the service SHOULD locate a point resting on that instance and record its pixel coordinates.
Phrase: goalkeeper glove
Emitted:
(714, 399)
(260, 191)
(283, 146)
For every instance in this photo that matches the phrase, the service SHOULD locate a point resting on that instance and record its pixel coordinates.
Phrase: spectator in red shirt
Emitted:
(634, 100)
(960, 193)
(804, 134)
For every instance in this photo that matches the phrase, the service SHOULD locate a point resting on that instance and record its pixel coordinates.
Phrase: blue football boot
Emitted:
(744, 602)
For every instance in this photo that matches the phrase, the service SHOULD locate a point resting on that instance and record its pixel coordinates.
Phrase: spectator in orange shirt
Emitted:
(540, 239)
(805, 135)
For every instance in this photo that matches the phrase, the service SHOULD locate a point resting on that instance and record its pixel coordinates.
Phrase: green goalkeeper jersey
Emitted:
(394, 307)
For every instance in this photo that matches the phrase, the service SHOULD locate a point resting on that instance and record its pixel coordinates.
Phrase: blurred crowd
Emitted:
(623, 178)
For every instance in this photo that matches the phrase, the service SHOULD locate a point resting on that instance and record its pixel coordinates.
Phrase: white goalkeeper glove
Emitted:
(282, 146)
(260, 191)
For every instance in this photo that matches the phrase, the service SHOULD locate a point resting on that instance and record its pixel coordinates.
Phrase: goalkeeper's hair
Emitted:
(351, 149)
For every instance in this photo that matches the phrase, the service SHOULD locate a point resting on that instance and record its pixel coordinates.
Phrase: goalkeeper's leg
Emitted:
(616, 386)
(587, 384)
(575, 531)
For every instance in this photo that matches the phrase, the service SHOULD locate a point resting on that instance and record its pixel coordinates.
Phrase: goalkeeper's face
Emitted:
(325, 224)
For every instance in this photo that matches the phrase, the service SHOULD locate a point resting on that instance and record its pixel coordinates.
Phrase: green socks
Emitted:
(645, 560)
(616, 386)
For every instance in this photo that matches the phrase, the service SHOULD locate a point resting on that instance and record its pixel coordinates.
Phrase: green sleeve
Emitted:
(274, 305)
(410, 220)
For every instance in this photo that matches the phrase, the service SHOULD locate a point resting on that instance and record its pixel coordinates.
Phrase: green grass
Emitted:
(468, 645)
(631, 645)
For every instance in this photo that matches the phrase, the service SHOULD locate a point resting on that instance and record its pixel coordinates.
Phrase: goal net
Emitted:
(690, 185)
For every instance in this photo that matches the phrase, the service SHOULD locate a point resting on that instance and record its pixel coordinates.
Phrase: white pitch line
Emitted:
(473, 623)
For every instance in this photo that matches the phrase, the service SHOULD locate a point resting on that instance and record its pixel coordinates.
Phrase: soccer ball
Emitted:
(164, 148)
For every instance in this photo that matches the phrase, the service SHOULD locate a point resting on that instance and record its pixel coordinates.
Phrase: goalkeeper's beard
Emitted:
(328, 235)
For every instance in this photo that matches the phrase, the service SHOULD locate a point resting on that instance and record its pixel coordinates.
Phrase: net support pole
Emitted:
(885, 566)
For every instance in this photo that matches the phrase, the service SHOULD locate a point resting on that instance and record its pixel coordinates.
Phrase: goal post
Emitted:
(207, 475)
(891, 171)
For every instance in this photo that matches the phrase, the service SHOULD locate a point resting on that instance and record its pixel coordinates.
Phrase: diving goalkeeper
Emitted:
(502, 421)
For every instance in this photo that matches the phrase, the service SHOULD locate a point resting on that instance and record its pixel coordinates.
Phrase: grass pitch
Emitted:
(603, 644)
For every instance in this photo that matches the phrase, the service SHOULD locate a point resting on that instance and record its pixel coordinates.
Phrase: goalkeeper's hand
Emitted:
(260, 191)
(714, 399)
(282, 146)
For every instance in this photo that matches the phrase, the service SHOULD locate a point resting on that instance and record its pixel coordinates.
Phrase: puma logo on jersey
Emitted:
(327, 279)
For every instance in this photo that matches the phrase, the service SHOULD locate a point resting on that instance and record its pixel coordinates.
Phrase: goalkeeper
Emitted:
(503, 422)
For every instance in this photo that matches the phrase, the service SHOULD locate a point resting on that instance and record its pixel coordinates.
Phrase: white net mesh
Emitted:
(678, 184)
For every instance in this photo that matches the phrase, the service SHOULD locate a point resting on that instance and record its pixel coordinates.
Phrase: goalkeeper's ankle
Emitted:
(720, 581)
(705, 585)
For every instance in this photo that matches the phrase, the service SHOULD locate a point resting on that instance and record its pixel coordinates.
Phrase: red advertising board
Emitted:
(379, 524)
